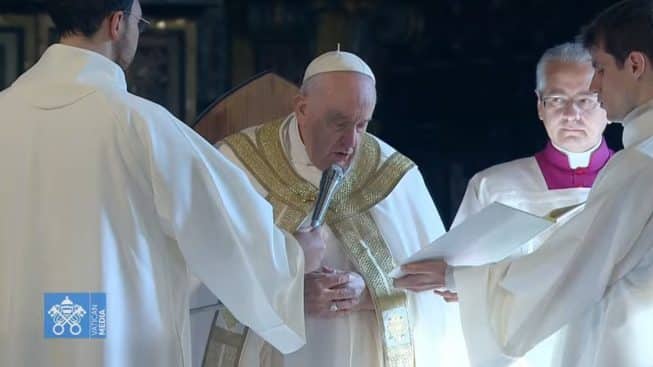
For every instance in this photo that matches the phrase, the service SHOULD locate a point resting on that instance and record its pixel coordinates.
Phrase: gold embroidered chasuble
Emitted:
(367, 182)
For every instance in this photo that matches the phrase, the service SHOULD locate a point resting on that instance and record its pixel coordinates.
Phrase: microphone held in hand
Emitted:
(329, 183)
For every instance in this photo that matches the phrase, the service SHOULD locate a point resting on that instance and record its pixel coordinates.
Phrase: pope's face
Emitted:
(569, 110)
(333, 113)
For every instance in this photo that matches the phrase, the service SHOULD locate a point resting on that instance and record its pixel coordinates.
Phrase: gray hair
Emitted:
(566, 52)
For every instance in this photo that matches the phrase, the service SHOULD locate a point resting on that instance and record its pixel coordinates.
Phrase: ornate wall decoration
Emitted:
(17, 46)
(165, 67)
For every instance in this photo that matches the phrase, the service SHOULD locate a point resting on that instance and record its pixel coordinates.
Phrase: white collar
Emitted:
(638, 124)
(578, 160)
(78, 71)
(296, 151)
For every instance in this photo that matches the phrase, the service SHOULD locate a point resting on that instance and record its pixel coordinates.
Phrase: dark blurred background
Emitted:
(455, 78)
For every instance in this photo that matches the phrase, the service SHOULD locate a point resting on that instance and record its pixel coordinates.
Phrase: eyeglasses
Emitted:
(142, 23)
(584, 102)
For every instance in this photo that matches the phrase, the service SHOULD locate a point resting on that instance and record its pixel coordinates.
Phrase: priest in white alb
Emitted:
(594, 275)
(381, 214)
(558, 176)
(109, 203)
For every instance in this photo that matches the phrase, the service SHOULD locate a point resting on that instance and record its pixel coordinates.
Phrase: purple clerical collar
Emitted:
(557, 173)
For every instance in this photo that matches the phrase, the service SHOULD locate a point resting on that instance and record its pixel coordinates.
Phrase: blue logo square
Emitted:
(74, 315)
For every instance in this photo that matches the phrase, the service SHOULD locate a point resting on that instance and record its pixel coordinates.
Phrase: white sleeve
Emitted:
(471, 202)
(225, 231)
(508, 307)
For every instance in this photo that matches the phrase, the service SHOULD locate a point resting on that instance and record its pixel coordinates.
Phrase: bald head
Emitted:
(333, 110)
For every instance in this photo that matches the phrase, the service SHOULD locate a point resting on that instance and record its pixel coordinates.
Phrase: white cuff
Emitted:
(283, 338)
(449, 280)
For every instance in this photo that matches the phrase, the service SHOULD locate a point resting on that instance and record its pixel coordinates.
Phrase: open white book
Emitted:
(488, 236)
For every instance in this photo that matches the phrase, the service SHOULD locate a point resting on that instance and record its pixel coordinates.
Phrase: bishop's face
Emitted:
(568, 108)
(333, 116)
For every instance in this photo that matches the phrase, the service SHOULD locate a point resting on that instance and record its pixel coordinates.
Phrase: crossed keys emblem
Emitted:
(66, 313)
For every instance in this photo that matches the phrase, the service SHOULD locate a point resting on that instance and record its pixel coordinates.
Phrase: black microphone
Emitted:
(329, 183)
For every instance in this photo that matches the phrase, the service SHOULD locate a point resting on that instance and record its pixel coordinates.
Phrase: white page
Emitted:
(485, 237)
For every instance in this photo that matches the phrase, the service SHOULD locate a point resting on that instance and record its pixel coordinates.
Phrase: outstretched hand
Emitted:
(423, 276)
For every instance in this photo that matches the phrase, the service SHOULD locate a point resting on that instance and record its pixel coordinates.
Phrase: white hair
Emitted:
(567, 52)
(312, 83)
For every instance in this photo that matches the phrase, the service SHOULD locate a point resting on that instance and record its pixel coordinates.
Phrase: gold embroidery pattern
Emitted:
(367, 183)
(366, 248)
(226, 341)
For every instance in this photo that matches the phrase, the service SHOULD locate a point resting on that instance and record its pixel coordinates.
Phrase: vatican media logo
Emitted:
(75, 315)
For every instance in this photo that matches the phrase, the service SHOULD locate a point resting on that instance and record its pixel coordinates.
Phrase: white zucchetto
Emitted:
(337, 61)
